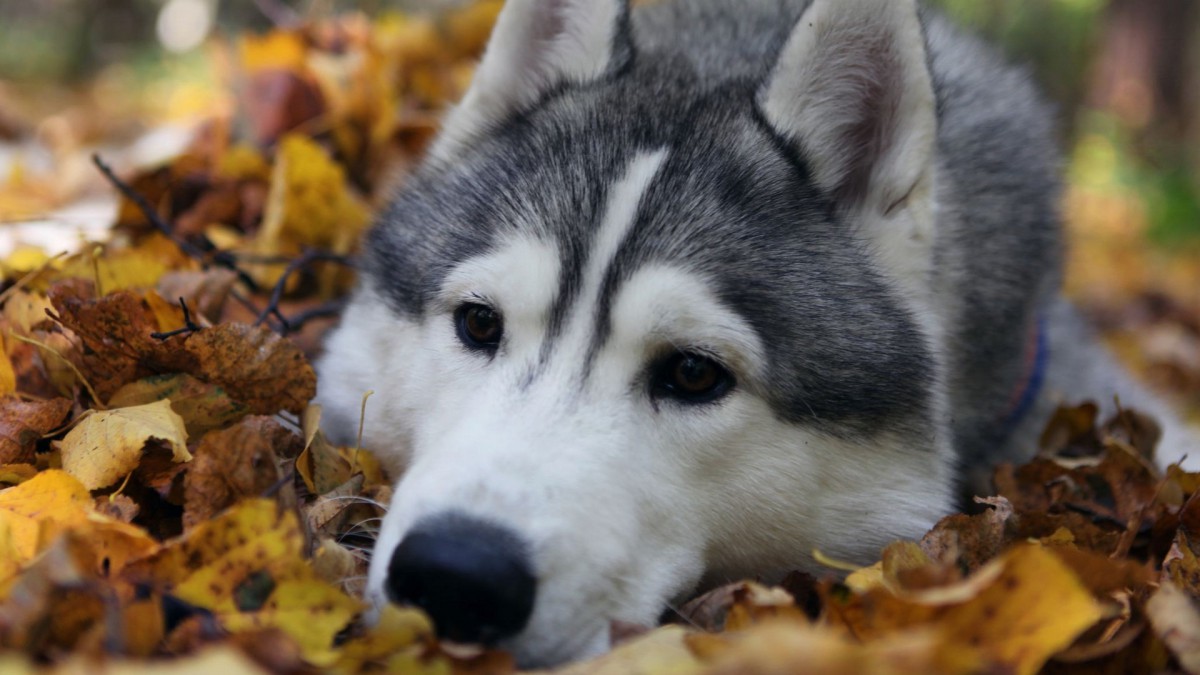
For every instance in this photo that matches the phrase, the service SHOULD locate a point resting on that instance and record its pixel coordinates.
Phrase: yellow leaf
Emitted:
(310, 611)
(396, 629)
(10, 557)
(866, 579)
(277, 49)
(1036, 607)
(25, 310)
(168, 316)
(15, 474)
(203, 406)
(217, 556)
(243, 162)
(661, 651)
(247, 566)
(320, 464)
(40, 507)
(1015, 612)
(105, 446)
(117, 270)
(24, 259)
(114, 541)
(309, 203)
(8, 377)
(783, 646)
(365, 462)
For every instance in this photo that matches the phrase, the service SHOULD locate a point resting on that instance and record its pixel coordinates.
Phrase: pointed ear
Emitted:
(852, 92)
(536, 46)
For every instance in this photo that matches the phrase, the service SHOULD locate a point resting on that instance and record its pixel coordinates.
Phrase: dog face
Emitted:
(631, 331)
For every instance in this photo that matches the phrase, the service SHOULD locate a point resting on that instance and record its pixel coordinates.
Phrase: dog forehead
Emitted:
(727, 203)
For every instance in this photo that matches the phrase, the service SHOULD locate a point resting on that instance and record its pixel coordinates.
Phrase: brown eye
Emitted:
(479, 327)
(692, 378)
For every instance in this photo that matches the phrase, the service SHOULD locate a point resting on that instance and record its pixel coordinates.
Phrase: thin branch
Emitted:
(307, 258)
(147, 210)
(189, 326)
(297, 321)
(208, 255)
(278, 485)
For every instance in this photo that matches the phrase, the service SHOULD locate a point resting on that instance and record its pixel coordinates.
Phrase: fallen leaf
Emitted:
(257, 367)
(234, 464)
(107, 446)
(320, 464)
(203, 406)
(1177, 621)
(24, 423)
(662, 651)
(1016, 611)
(41, 507)
(24, 310)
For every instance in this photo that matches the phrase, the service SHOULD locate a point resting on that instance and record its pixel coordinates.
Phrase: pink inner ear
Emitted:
(549, 21)
(863, 83)
(847, 91)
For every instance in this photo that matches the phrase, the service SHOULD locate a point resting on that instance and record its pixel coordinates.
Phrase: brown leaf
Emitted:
(968, 542)
(23, 423)
(1071, 432)
(202, 405)
(233, 464)
(255, 366)
(205, 292)
(118, 507)
(116, 334)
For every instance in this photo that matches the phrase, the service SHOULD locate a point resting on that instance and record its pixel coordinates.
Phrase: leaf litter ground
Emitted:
(169, 503)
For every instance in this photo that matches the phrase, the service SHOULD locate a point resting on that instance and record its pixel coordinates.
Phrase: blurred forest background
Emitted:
(1125, 75)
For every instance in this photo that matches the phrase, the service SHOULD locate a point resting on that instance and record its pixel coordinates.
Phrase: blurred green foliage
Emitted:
(1063, 41)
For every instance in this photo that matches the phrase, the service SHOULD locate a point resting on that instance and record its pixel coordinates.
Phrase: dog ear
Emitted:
(852, 92)
(537, 46)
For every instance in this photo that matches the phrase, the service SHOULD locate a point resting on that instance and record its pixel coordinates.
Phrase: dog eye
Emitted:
(479, 327)
(692, 378)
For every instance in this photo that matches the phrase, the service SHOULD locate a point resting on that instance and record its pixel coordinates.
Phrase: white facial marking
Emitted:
(625, 501)
(619, 216)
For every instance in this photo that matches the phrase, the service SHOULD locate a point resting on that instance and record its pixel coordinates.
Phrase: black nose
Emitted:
(472, 578)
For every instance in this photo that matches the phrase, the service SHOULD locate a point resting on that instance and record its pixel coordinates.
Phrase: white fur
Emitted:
(626, 501)
(536, 46)
(817, 92)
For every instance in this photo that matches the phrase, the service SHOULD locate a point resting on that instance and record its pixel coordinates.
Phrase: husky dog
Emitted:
(687, 291)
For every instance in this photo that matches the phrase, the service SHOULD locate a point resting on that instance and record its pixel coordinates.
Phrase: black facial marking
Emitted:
(734, 204)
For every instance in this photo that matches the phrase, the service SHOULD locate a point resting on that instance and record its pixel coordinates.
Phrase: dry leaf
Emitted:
(234, 464)
(203, 406)
(23, 423)
(104, 447)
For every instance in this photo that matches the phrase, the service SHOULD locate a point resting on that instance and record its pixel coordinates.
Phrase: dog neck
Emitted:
(1033, 376)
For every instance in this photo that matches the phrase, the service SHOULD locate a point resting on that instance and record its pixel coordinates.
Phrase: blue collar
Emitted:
(1030, 386)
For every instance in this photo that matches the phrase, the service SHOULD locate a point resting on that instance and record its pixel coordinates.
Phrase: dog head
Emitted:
(636, 328)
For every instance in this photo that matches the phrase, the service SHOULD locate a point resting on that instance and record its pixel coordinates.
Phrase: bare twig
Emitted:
(147, 210)
(209, 254)
(307, 258)
(189, 326)
(297, 321)
(278, 485)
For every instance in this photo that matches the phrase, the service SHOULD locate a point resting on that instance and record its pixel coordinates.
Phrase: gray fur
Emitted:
(737, 205)
(853, 365)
